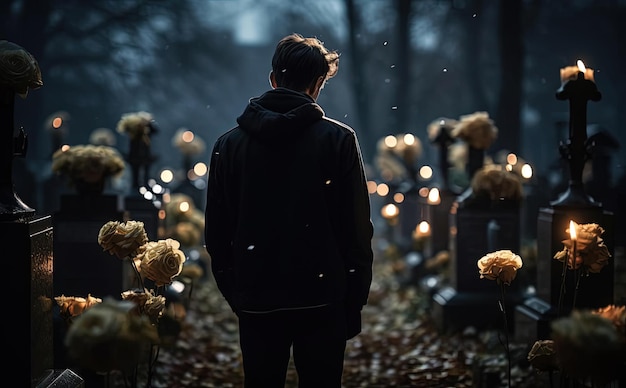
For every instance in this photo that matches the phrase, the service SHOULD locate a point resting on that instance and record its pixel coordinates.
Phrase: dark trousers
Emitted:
(315, 336)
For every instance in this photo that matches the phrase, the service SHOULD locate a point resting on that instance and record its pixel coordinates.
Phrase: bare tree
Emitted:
(97, 56)
(509, 102)
(403, 65)
(357, 79)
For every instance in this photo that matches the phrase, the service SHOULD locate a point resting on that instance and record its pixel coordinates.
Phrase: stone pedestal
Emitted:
(56, 378)
(454, 310)
(30, 307)
(479, 231)
(596, 290)
(478, 228)
(532, 320)
(81, 267)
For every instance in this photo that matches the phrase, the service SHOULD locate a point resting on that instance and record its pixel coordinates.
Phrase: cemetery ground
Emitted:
(400, 345)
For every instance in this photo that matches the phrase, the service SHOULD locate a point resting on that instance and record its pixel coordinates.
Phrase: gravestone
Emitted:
(31, 277)
(81, 266)
(478, 227)
(26, 235)
(57, 378)
(595, 290)
(574, 204)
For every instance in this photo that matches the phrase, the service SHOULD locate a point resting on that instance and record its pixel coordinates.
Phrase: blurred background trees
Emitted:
(194, 64)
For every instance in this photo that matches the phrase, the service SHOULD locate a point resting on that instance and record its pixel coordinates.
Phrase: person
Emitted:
(288, 225)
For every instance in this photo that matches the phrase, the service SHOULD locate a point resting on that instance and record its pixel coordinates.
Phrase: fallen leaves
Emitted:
(399, 346)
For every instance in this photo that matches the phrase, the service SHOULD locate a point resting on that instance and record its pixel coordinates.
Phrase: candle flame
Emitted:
(389, 211)
(581, 66)
(572, 230)
(433, 196)
(423, 227)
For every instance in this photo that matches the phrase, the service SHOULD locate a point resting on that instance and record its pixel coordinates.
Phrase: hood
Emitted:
(279, 113)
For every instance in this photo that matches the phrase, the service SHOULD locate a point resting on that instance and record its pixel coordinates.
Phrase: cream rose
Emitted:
(19, 70)
(146, 302)
(567, 254)
(161, 261)
(589, 347)
(72, 306)
(138, 297)
(591, 252)
(154, 307)
(542, 356)
(122, 239)
(106, 337)
(615, 314)
(496, 183)
(87, 163)
(439, 130)
(136, 124)
(500, 265)
(476, 129)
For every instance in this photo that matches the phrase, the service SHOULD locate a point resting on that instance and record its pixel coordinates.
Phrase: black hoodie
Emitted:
(288, 213)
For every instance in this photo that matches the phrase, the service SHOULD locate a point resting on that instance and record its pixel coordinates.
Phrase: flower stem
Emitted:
(506, 331)
(133, 380)
(188, 299)
(154, 349)
(580, 275)
(562, 291)
(139, 279)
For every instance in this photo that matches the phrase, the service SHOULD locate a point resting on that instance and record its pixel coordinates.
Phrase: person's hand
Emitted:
(353, 321)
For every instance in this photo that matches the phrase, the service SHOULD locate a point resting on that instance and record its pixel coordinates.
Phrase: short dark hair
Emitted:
(298, 62)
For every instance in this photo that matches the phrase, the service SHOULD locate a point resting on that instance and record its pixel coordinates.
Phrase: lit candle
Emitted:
(433, 196)
(587, 72)
(571, 73)
(572, 234)
(577, 87)
(422, 229)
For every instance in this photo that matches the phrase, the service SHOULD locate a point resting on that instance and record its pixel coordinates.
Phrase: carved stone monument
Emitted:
(483, 219)
(596, 289)
(477, 228)
(81, 267)
(28, 235)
